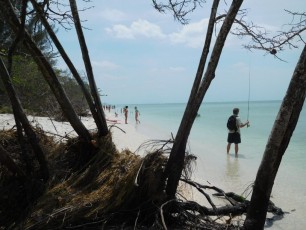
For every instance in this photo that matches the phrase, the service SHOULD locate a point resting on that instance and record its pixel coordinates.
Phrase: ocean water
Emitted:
(208, 140)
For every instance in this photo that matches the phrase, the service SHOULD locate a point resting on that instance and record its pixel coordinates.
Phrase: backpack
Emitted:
(231, 123)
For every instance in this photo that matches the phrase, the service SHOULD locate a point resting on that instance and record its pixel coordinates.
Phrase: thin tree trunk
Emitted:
(48, 73)
(70, 65)
(175, 163)
(34, 141)
(205, 51)
(279, 139)
(11, 51)
(171, 164)
(102, 125)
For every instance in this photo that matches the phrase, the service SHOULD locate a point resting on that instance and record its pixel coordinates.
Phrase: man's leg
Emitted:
(236, 149)
(228, 147)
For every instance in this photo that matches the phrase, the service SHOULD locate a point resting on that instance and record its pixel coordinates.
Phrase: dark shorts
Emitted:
(234, 138)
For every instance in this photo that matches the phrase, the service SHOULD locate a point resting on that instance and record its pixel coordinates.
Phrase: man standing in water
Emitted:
(234, 133)
(126, 113)
(137, 115)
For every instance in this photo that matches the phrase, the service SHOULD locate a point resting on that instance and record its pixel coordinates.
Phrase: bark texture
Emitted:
(279, 139)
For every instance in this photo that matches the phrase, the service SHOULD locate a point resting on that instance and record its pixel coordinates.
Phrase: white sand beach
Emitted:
(213, 166)
(125, 136)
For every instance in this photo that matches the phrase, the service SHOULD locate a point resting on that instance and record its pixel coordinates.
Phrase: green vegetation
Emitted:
(35, 94)
(31, 88)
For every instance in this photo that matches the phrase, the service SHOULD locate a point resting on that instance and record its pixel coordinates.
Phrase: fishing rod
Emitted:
(249, 96)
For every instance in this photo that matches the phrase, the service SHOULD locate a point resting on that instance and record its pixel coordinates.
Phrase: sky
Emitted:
(141, 56)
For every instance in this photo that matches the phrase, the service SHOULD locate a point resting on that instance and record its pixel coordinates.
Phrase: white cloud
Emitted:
(138, 28)
(113, 15)
(120, 31)
(105, 64)
(192, 35)
(147, 29)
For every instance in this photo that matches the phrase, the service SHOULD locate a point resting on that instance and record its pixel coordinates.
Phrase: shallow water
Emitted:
(208, 142)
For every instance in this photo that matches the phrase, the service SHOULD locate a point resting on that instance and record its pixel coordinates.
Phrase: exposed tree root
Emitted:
(97, 187)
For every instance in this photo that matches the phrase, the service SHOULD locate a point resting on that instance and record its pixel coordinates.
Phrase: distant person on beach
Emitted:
(234, 135)
(126, 113)
(137, 115)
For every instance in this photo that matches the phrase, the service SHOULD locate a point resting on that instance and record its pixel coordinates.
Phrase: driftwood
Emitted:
(238, 204)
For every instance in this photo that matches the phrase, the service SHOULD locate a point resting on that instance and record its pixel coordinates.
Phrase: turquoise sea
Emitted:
(208, 142)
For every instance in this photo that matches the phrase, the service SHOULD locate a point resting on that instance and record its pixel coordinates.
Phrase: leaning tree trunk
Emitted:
(102, 125)
(34, 141)
(20, 135)
(50, 76)
(205, 52)
(172, 161)
(279, 139)
(175, 163)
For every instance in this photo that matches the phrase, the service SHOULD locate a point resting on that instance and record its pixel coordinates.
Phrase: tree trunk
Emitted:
(175, 163)
(177, 166)
(48, 73)
(205, 51)
(11, 51)
(102, 125)
(70, 65)
(24, 121)
(279, 139)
